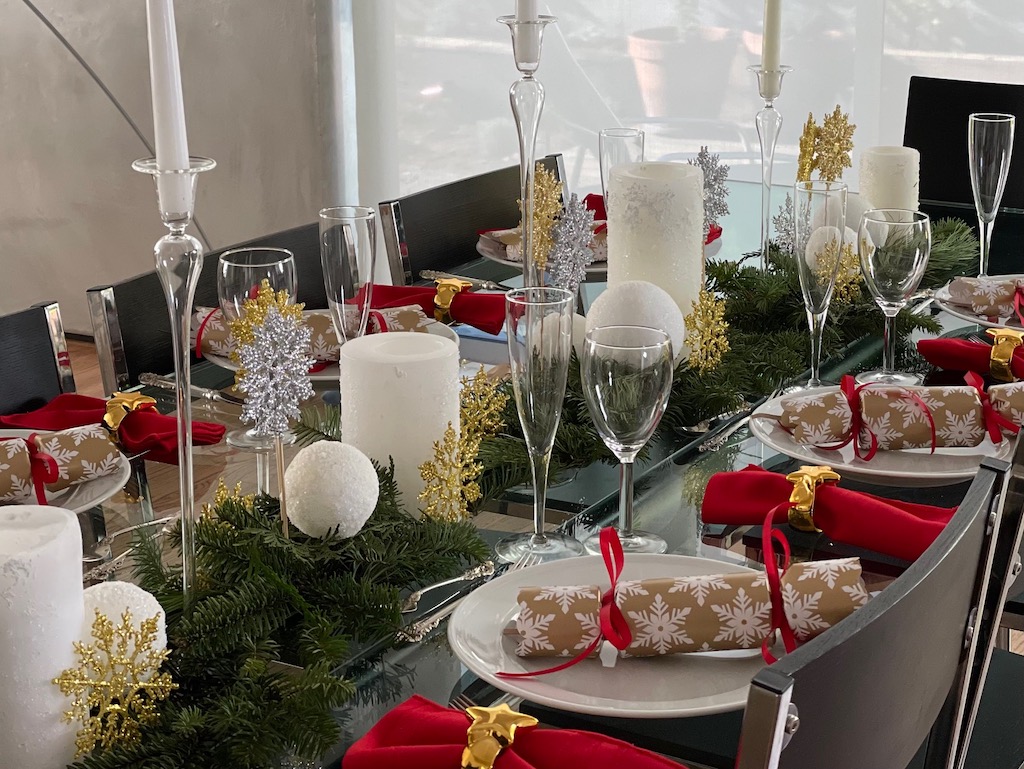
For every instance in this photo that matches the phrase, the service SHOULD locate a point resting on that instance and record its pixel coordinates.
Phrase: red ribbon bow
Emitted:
(993, 419)
(772, 536)
(44, 468)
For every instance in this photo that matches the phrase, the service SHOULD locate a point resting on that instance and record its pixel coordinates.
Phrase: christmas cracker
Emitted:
(81, 453)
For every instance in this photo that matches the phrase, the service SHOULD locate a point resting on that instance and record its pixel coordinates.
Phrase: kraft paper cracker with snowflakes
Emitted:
(323, 341)
(689, 614)
(991, 297)
(81, 453)
(1008, 401)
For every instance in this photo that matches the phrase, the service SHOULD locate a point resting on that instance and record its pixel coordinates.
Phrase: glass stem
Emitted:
(262, 472)
(527, 98)
(279, 453)
(984, 244)
(539, 464)
(889, 345)
(626, 498)
(816, 321)
(769, 123)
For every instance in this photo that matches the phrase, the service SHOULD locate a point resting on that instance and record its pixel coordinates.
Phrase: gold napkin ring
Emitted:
(492, 730)
(122, 404)
(446, 289)
(1006, 341)
(805, 483)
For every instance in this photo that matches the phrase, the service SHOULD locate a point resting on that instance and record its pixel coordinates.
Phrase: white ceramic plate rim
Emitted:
(476, 618)
(594, 267)
(774, 437)
(87, 495)
(332, 372)
(943, 300)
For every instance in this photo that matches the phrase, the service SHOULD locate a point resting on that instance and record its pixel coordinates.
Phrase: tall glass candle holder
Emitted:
(179, 260)
(769, 123)
(527, 98)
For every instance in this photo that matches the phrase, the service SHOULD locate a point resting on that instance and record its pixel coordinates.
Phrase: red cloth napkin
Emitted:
(900, 529)
(141, 430)
(483, 311)
(962, 355)
(419, 734)
(595, 203)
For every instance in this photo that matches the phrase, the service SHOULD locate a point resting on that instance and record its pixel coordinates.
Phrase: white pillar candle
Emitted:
(40, 618)
(656, 228)
(168, 107)
(890, 177)
(399, 391)
(771, 44)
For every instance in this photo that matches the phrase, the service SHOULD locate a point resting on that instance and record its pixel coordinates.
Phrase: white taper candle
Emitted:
(771, 44)
(168, 107)
(529, 34)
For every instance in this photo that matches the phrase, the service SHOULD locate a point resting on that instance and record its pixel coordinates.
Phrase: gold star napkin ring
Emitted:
(1006, 341)
(805, 483)
(492, 730)
(121, 405)
(446, 289)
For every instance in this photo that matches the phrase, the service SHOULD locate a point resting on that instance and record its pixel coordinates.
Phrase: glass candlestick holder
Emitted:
(769, 123)
(527, 98)
(179, 260)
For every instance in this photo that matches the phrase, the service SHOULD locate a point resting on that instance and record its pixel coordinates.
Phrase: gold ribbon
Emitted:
(805, 483)
(492, 730)
(446, 289)
(1006, 341)
(121, 405)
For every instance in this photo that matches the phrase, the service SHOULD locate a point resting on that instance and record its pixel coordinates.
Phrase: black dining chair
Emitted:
(437, 229)
(131, 325)
(34, 359)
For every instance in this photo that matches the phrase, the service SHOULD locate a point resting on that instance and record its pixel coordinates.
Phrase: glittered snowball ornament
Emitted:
(330, 486)
(639, 303)
(112, 599)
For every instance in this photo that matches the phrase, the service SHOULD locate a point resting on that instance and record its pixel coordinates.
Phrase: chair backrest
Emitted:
(936, 125)
(437, 229)
(868, 692)
(130, 321)
(34, 363)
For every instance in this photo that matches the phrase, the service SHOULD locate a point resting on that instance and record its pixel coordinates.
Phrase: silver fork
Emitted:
(716, 442)
(485, 569)
(461, 702)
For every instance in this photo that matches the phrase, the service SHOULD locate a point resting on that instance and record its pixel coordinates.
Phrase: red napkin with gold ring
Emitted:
(141, 430)
(964, 355)
(474, 308)
(901, 529)
(419, 734)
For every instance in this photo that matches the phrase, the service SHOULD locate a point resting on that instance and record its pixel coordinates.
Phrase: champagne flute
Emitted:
(894, 246)
(240, 273)
(627, 376)
(348, 245)
(989, 146)
(615, 146)
(819, 224)
(538, 322)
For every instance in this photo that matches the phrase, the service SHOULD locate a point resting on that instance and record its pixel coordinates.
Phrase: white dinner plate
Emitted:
(669, 686)
(332, 372)
(906, 467)
(596, 268)
(943, 300)
(86, 495)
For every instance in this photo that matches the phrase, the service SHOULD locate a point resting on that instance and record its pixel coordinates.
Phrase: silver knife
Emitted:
(489, 285)
(168, 383)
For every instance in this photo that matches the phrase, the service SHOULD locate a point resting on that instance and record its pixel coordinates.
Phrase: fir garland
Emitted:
(263, 599)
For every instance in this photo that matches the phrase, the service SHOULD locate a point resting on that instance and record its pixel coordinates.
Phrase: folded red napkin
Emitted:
(474, 308)
(900, 529)
(140, 430)
(419, 734)
(962, 355)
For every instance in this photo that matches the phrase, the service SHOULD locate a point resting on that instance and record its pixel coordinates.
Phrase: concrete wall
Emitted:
(72, 212)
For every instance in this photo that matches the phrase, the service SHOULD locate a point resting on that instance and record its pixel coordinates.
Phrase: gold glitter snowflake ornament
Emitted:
(116, 686)
(833, 145)
(805, 161)
(547, 206)
(705, 332)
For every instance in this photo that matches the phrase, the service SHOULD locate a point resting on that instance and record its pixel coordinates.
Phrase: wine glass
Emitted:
(348, 246)
(538, 323)
(240, 273)
(627, 376)
(989, 146)
(615, 146)
(819, 223)
(894, 246)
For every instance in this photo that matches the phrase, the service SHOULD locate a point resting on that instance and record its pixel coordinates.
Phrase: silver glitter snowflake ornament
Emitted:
(571, 253)
(785, 225)
(274, 372)
(715, 192)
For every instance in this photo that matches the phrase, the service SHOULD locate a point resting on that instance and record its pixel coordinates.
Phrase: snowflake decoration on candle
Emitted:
(715, 191)
(116, 685)
(833, 145)
(273, 359)
(547, 205)
(451, 476)
(571, 253)
(706, 332)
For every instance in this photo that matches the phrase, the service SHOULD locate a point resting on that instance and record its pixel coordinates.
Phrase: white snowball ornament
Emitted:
(639, 303)
(112, 599)
(331, 485)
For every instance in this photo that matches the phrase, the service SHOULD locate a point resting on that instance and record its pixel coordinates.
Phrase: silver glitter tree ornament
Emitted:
(715, 191)
(571, 253)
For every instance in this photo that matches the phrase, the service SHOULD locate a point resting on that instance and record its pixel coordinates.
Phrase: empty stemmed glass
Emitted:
(240, 273)
(538, 323)
(989, 146)
(819, 224)
(615, 146)
(348, 246)
(627, 376)
(894, 246)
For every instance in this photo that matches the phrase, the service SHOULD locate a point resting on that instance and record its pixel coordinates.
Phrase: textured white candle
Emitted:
(168, 107)
(40, 618)
(399, 391)
(656, 228)
(890, 177)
